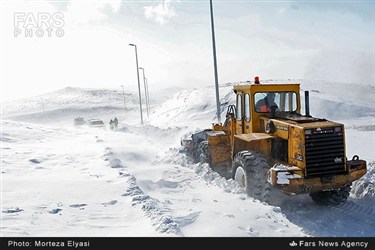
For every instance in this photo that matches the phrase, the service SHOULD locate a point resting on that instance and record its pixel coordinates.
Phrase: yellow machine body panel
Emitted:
(219, 147)
(259, 142)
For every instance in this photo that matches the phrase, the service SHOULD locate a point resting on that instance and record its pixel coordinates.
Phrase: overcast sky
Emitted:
(331, 40)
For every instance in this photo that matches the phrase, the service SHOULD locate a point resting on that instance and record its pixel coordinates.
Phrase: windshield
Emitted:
(282, 101)
(97, 122)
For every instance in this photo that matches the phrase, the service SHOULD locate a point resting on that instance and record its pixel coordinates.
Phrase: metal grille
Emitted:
(324, 152)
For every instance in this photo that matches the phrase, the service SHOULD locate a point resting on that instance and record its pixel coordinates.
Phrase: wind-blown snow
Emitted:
(60, 180)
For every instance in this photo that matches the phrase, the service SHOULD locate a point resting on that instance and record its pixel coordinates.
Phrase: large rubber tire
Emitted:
(250, 169)
(332, 197)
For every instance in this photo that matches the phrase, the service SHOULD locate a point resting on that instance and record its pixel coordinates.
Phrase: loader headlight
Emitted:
(308, 132)
(338, 129)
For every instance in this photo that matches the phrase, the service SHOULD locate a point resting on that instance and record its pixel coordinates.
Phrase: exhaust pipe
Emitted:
(307, 104)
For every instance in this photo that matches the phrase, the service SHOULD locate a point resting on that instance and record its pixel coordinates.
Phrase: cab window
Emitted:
(239, 107)
(247, 107)
(283, 101)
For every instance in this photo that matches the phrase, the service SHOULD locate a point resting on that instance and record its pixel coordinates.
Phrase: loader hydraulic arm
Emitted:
(231, 113)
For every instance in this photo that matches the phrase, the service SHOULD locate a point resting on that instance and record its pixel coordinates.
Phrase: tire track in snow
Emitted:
(153, 208)
(359, 213)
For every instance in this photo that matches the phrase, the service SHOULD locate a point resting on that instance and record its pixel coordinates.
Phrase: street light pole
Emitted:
(123, 94)
(144, 83)
(139, 85)
(218, 114)
(148, 96)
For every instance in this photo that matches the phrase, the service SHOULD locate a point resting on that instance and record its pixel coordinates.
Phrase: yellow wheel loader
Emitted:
(266, 143)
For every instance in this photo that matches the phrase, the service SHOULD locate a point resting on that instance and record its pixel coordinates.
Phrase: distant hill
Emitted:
(182, 106)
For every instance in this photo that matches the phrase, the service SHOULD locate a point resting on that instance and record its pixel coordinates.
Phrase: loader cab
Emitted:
(254, 101)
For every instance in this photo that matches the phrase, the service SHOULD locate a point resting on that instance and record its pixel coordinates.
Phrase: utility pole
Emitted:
(148, 96)
(123, 94)
(144, 83)
(218, 113)
(139, 84)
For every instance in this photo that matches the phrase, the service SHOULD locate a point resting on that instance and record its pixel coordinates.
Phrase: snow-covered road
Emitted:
(135, 182)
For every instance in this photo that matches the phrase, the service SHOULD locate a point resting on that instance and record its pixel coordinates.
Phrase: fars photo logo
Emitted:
(293, 244)
(41, 24)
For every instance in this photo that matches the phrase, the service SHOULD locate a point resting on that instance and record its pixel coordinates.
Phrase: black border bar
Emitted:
(348, 243)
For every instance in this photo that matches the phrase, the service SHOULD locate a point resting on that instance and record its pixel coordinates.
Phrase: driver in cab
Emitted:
(265, 104)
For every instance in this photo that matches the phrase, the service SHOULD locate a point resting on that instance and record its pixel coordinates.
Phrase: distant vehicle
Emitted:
(96, 123)
(79, 121)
